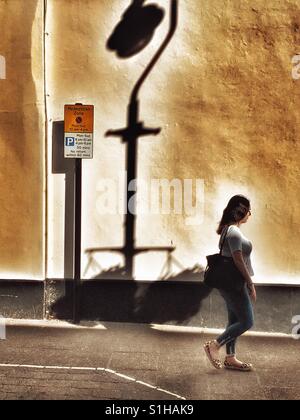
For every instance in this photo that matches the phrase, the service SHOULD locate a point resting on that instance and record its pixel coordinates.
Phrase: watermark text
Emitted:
(296, 329)
(153, 197)
(2, 329)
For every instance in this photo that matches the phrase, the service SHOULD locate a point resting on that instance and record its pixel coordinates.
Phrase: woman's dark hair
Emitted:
(236, 210)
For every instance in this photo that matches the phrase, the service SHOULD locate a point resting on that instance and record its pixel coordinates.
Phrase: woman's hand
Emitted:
(252, 292)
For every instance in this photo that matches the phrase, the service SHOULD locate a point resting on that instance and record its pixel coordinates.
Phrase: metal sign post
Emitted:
(77, 260)
(78, 145)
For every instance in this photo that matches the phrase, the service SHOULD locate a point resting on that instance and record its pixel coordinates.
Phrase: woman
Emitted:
(238, 302)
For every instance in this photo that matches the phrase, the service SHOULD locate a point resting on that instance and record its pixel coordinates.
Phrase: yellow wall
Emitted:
(223, 94)
(21, 140)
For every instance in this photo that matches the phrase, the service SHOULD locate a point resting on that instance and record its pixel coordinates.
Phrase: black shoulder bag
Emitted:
(222, 273)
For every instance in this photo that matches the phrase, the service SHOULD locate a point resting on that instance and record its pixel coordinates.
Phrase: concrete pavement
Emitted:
(125, 361)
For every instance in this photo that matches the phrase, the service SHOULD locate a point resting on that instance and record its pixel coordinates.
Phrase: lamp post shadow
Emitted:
(136, 128)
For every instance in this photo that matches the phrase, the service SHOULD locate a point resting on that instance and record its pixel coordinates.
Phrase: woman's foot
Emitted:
(212, 349)
(232, 363)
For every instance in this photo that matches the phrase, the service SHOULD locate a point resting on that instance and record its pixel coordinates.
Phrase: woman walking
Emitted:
(238, 301)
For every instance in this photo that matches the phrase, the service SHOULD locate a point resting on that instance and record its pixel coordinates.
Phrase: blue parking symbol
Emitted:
(70, 141)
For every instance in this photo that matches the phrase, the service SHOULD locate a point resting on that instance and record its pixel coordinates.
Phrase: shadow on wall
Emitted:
(174, 301)
(140, 22)
(108, 296)
(60, 165)
(136, 29)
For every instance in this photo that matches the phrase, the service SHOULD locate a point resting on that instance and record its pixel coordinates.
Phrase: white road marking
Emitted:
(145, 384)
(50, 367)
(125, 377)
(31, 367)
(110, 371)
(170, 393)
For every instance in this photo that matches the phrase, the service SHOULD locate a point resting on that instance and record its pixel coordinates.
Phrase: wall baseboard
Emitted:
(186, 304)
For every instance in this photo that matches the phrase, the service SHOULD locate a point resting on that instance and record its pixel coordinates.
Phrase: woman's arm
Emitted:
(240, 263)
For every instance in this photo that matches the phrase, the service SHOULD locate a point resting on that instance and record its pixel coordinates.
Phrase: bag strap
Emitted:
(223, 242)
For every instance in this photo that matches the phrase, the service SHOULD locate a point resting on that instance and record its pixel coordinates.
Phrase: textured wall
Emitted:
(229, 109)
(21, 140)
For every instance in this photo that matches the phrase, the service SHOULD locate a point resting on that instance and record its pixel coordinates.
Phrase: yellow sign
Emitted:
(79, 118)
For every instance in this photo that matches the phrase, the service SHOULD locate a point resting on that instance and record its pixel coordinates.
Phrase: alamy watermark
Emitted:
(153, 197)
(296, 328)
(2, 328)
(296, 67)
(2, 68)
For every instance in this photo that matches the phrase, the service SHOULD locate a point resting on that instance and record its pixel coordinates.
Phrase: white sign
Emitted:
(79, 145)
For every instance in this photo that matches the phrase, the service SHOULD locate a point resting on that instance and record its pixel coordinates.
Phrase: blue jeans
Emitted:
(240, 317)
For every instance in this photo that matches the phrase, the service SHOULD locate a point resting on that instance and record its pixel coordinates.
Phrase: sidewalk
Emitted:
(125, 361)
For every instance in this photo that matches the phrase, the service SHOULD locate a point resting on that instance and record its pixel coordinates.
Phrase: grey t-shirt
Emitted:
(236, 241)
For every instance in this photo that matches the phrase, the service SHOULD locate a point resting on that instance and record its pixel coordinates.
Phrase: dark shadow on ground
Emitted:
(174, 301)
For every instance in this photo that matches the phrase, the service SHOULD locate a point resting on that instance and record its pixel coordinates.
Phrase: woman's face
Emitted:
(246, 218)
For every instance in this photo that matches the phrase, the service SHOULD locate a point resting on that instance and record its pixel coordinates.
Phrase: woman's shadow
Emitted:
(176, 300)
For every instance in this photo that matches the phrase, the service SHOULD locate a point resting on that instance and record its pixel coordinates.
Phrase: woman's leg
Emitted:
(241, 319)
(231, 346)
(238, 304)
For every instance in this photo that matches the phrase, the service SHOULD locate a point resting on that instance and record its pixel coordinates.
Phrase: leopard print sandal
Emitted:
(245, 367)
(217, 364)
